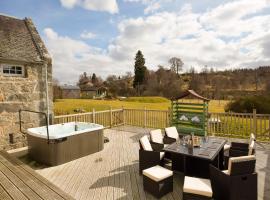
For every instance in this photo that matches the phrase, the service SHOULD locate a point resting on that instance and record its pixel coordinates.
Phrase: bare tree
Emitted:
(176, 64)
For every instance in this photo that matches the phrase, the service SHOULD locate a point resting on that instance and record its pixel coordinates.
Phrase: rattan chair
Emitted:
(240, 149)
(171, 135)
(148, 157)
(157, 139)
(238, 182)
(239, 145)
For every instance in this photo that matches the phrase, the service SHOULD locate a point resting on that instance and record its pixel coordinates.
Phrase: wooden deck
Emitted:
(113, 173)
(18, 181)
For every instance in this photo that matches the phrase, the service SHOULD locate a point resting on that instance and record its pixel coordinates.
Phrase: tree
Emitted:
(176, 64)
(83, 79)
(139, 70)
(94, 79)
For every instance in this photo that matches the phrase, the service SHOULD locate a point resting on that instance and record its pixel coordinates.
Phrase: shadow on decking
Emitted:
(134, 189)
(110, 180)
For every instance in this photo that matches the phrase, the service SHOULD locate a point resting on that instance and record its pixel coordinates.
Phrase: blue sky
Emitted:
(102, 36)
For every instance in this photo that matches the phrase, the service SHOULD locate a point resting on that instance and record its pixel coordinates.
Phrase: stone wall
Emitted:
(27, 92)
(70, 94)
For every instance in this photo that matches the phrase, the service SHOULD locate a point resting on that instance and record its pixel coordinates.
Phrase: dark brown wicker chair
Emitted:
(238, 182)
(157, 140)
(240, 149)
(171, 135)
(239, 145)
(148, 157)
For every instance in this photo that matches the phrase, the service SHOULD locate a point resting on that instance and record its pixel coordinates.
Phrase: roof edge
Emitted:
(11, 16)
(38, 42)
(191, 92)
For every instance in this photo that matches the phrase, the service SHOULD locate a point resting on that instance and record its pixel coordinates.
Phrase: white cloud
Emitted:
(110, 6)
(221, 37)
(88, 35)
(151, 6)
(72, 57)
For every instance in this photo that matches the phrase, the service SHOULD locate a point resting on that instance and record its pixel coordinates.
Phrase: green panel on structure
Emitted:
(190, 118)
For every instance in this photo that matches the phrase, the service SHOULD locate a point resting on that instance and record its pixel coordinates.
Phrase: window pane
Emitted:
(6, 71)
(13, 70)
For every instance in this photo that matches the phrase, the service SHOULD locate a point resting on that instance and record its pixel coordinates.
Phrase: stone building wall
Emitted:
(27, 92)
(70, 94)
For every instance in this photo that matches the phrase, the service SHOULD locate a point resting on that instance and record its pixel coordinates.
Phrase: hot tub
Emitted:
(68, 141)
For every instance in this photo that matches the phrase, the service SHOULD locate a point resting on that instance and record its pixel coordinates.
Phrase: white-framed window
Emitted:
(12, 70)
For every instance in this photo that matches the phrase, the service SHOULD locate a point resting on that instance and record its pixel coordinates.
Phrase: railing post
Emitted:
(144, 121)
(169, 117)
(123, 111)
(94, 115)
(255, 122)
(111, 119)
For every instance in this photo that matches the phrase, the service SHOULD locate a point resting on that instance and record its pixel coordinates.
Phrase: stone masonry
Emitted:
(21, 45)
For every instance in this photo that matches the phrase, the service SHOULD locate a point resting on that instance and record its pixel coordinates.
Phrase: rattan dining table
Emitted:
(195, 161)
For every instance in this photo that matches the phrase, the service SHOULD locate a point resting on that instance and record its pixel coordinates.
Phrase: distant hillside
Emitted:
(230, 83)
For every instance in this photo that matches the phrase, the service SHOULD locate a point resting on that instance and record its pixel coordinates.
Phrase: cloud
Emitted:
(88, 35)
(110, 6)
(151, 6)
(221, 37)
(73, 57)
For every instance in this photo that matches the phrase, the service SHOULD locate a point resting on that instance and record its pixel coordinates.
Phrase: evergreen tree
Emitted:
(94, 78)
(139, 70)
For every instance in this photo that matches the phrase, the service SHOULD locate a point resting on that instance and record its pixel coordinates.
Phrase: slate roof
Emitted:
(69, 87)
(192, 93)
(20, 41)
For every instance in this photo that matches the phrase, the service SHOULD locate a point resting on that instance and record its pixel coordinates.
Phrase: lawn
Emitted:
(67, 106)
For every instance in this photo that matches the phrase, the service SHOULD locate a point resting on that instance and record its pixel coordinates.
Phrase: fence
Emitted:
(220, 124)
(108, 118)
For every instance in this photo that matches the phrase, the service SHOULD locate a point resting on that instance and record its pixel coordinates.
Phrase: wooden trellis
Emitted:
(190, 117)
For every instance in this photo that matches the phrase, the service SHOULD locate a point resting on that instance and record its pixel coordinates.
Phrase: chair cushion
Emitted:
(252, 137)
(239, 159)
(227, 147)
(225, 172)
(145, 143)
(156, 136)
(157, 173)
(162, 154)
(198, 186)
(172, 132)
(251, 147)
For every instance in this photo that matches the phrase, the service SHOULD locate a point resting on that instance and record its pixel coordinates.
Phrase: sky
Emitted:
(103, 36)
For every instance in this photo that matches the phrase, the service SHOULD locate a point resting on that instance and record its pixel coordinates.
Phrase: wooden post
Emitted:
(94, 115)
(144, 124)
(124, 117)
(111, 119)
(169, 117)
(255, 122)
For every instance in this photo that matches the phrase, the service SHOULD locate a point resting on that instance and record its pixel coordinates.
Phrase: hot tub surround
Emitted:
(67, 142)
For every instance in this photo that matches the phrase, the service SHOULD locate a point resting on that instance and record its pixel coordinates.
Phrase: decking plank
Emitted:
(31, 182)
(3, 194)
(19, 183)
(11, 189)
(117, 175)
(38, 183)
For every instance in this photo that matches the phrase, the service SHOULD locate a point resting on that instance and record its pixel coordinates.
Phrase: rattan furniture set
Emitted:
(212, 171)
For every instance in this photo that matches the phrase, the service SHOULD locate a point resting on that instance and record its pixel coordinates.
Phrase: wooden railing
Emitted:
(238, 125)
(107, 118)
(147, 118)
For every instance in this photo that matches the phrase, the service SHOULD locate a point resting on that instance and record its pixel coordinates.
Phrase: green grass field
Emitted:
(67, 106)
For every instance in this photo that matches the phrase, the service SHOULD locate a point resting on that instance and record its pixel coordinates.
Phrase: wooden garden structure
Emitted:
(190, 117)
